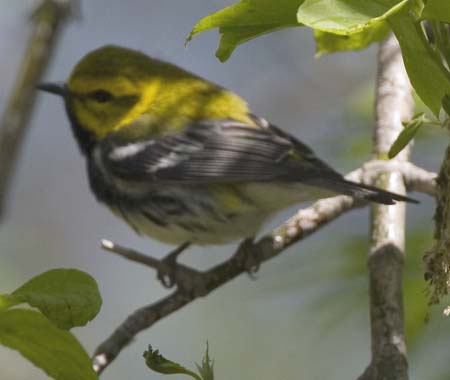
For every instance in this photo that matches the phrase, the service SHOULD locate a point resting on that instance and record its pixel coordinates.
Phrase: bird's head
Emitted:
(109, 88)
(118, 89)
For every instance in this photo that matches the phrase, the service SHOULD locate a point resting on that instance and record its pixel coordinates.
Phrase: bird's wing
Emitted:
(217, 151)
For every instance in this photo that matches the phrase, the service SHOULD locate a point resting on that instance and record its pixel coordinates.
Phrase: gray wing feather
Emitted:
(228, 151)
(220, 151)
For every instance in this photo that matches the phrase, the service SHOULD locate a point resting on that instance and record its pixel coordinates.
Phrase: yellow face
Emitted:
(109, 88)
(103, 104)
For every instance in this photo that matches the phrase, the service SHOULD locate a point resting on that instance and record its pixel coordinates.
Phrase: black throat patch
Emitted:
(85, 139)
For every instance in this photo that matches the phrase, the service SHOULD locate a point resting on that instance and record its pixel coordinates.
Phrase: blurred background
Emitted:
(306, 315)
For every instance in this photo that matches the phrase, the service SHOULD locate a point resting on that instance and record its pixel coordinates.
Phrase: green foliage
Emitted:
(158, 363)
(245, 20)
(206, 370)
(345, 17)
(446, 104)
(351, 25)
(427, 73)
(411, 128)
(55, 351)
(65, 298)
(329, 42)
(438, 10)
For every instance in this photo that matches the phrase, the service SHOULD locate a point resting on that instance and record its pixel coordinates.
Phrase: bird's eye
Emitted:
(101, 96)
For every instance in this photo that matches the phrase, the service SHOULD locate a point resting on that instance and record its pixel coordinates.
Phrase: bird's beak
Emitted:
(58, 88)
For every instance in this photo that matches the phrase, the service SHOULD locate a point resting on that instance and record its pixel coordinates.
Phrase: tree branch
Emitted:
(193, 284)
(394, 104)
(437, 258)
(414, 177)
(48, 19)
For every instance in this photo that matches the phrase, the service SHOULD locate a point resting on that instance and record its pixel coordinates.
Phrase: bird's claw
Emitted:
(167, 273)
(251, 261)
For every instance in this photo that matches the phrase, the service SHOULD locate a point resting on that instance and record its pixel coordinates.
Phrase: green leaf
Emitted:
(206, 370)
(68, 297)
(408, 133)
(417, 7)
(245, 20)
(446, 104)
(345, 17)
(428, 75)
(158, 363)
(6, 301)
(55, 351)
(329, 42)
(438, 10)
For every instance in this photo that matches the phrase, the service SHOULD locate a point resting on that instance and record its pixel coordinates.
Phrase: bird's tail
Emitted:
(371, 193)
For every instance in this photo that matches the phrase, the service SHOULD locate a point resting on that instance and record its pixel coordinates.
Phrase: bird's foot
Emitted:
(166, 273)
(250, 257)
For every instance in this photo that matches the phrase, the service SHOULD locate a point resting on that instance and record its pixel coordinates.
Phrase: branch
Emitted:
(48, 19)
(192, 284)
(394, 104)
(437, 258)
(414, 177)
(303, 224)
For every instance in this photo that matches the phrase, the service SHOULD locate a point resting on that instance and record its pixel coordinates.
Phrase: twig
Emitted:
(414, 177)
(48, 19)
(394, 104)
(131, 254)
(304, 223)
(183, 275)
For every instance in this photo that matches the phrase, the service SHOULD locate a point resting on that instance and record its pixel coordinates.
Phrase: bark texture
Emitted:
(394, 104)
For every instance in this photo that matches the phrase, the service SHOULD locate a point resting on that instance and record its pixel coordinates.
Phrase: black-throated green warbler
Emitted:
(181, 159)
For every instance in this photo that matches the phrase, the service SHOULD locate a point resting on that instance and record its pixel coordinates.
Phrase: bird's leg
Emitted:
(249, 256)
(166, 273)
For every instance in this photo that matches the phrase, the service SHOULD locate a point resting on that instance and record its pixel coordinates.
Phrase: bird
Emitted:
(183, 160)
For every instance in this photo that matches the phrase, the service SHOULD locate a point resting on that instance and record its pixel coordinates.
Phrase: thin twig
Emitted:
(419, 179)
(183, 275)
(304, 223)
(414, 177)
(48, 19)
(394, 104)
(131, 254)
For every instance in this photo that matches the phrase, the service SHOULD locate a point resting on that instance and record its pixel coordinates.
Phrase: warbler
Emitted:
(183, 160)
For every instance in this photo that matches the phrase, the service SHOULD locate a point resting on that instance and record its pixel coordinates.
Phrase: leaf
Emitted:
(245, 20)
(361, 22)
(329, 42)
(206, 370)
(158, 363)
(67, 297)
(438, 10)
(408, 133)
(345, 17)
(55, 351)
(428, 75)
(446, 104)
